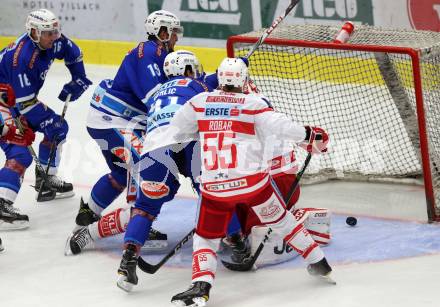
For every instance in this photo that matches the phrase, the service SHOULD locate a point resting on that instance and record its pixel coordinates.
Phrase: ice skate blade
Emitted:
(65, 195)
(16, 225)
(327, 279)
(123, 284)
(67, 250)
(155, 245)
(197, 302)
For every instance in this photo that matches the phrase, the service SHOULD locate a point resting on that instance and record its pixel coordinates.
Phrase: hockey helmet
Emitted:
(158, 19)
(42, 21)
(176, 63)
(232, 71)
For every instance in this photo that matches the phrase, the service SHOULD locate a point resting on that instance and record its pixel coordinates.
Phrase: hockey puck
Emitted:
(351, 221)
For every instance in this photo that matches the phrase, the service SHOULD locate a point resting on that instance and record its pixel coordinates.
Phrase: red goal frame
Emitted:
(413, 53)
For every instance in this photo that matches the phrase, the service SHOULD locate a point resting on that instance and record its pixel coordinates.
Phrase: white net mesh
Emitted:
(365, 100)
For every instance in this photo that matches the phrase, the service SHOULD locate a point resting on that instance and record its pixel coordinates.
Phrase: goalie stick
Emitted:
(41, 197)
(249, 262)
(151, 269)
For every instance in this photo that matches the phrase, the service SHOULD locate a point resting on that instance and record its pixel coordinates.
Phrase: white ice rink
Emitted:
(390, 259)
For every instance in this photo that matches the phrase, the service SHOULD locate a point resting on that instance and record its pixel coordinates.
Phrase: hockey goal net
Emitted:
(377, 95)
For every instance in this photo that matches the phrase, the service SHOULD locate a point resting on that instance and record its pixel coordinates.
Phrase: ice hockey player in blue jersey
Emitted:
(158, 182)
(24, 65)
(117, 121)
(14, 140)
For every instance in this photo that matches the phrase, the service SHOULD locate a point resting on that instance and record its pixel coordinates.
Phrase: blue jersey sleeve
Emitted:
(67, 50)
(211, 80)
(144, 71)
(17, 63)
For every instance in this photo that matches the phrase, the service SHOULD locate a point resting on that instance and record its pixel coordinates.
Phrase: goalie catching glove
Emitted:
(316, 140)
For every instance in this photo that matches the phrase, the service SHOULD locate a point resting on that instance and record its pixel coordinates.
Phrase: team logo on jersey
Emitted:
(154, 189)
(224, 186)
(122, 153)
(270, 211)
(234, 112)
(424, 14)
(182, 82)
(96, 97)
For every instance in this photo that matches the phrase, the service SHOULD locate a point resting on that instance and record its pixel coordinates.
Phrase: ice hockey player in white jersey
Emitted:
(237, 132)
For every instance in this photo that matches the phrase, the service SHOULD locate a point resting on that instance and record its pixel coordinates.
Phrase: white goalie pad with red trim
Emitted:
(316, 221)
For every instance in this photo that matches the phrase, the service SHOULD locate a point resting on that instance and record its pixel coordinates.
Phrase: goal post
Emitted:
(378, 96)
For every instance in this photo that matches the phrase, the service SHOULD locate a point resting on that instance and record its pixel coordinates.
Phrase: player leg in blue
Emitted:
(158, 184)
(45, 120)
(18, 160)
(117, 152)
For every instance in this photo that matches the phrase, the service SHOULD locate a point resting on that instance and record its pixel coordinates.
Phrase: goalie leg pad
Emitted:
(301, 241)
(204, 262)
(317, 221)
(275, 250)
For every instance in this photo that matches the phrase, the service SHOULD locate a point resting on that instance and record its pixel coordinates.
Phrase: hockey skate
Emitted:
(77, 241)
(127, 269)
(237, 248)
(156, 241)
(321, 270)
(85, 215)
(196, 296)
(10, 218)
(54, 183)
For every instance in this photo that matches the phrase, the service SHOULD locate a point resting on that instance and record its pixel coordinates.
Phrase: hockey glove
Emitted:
(75, 88)
(316, 140)
(7, 96)
(12, 135)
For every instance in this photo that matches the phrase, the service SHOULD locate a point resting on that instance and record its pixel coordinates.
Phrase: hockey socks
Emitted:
(138, 229)
(10, 184)
(110, 224)
(104, 192)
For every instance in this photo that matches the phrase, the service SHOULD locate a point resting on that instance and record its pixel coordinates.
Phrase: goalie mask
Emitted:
(44, 22)
(233, 72)
(176, 63)
(158, 19)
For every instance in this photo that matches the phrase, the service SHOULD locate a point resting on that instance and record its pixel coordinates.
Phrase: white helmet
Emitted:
(232, 71)
(176, 62)
(42, 20)
(158, 19)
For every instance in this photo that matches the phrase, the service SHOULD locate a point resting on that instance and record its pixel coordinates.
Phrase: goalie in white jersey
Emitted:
(238, 133)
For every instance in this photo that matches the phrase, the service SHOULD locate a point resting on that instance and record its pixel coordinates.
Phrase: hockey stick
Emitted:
(49, 195)
(269, 30)
(53, 147)
(151, 269)
(249, 263)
